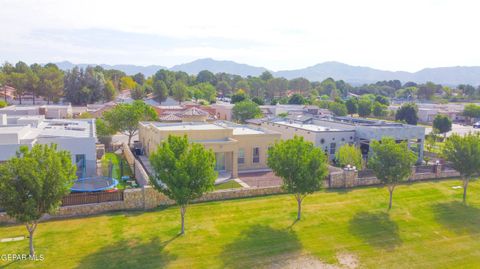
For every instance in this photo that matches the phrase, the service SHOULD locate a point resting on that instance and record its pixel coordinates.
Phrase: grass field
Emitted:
(428, 227)
(228, 185)
(115, 158)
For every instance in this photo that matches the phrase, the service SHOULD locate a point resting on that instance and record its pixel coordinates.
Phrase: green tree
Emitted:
(84, 86)
(109, 92)
(442, 124)
(224, 88)
(127, 83)
(339, 109)
(379, 109)
(392, 162)
(427, 90)
(464, 154)
(3, 104)
(51, 82)
(183, 171)
(382, 100)
(364, 107)
(242, 85)
(139, 78)
(246, 110)
(301, 165)
(19, 82)
(179, 91)
(297, 99)
(407, 113)
(265, 76)
(160, 91)
(167, 76)
(349, 155)
(430, 144)
(206, 76)
(138, 92)
(104, 131)
(328, 86)
(259, 101)
(207, 91)
(352, 105)
(125, 117)
(299, 84)
(33, 183)
(32, 83)
(239, 96)
(471, 111)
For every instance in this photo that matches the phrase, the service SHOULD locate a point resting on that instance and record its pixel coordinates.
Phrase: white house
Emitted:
(76, 136)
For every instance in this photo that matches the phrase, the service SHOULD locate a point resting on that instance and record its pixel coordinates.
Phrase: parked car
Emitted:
(476, 125)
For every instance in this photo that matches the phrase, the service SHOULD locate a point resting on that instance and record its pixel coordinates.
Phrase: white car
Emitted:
(476, 125)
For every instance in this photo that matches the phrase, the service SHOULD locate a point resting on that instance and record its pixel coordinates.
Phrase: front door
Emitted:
(220, 161)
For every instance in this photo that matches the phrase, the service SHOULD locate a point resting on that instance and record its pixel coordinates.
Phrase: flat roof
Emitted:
(246, 131)
(309, 127)
(367, 122)
(237, 129)
(184, 126)
(240, 129)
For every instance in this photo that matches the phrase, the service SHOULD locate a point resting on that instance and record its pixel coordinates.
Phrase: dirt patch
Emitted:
(347, 260)
(298, 261)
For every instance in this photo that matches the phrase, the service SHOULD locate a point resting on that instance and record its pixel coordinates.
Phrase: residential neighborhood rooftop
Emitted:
(308, 127)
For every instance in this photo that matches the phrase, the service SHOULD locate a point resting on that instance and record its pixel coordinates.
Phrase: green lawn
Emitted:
(428, 227)
(116, 168)
(228, 185)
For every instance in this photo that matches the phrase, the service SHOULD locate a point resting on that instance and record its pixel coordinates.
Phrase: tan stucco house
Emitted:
(238, 148)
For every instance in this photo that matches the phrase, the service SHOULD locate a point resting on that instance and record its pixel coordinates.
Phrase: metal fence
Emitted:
(425, 169)
(447, 167)
(366, 173)
(91, 198)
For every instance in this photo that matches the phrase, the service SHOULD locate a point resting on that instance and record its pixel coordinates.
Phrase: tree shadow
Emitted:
(259, 246)
(458, 217)
(376, 229)
(128, 254)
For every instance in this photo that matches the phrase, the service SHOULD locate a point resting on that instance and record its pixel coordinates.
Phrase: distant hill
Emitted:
(352, 74)
(219, 66)
(128, 69)
(360, 75)
(337, 71)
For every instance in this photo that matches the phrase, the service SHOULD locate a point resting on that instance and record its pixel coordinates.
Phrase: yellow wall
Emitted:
(219, 140)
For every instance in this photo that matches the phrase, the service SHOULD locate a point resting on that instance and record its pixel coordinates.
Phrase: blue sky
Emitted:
(392, 35)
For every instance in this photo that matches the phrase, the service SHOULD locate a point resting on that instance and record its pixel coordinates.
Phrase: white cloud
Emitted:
(394, 35)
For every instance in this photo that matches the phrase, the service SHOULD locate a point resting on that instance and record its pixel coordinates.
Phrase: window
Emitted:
(332, 148)
(81, 167)
(241, 156)
(256, 155)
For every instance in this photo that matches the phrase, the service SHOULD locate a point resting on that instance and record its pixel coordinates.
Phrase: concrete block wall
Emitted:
(140, 174)
(148, 198)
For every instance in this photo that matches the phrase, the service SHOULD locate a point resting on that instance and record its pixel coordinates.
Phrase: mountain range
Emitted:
(355, 75)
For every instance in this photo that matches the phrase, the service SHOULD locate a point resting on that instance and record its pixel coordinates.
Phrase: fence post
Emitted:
(438, 170)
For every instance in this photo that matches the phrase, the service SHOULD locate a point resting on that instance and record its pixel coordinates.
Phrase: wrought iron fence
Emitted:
(366, 173)
(91, 198)
(425, 169)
